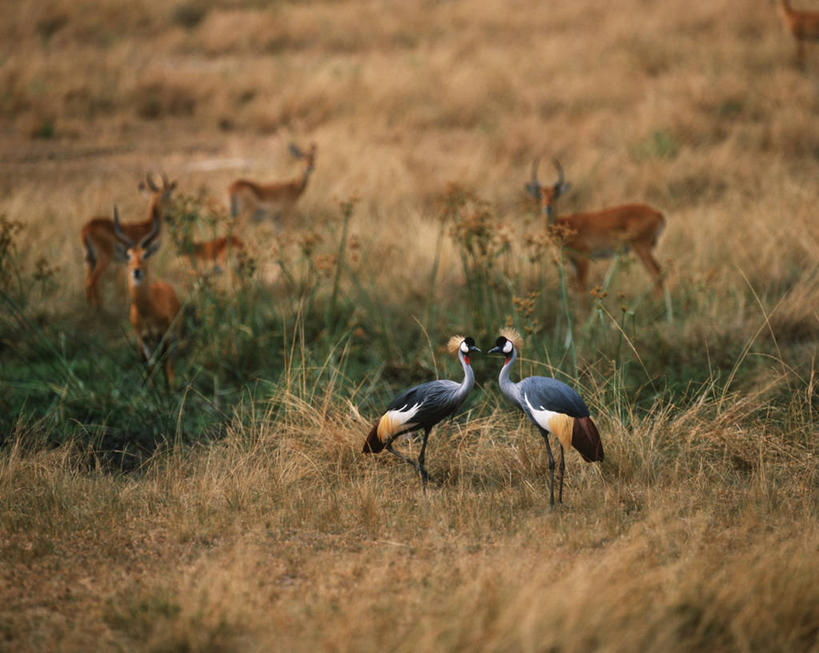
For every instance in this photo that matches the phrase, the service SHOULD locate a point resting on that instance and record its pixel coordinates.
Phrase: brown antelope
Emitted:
(154, 306)
(101, 244)
(276, 199)
(601, 234)
(803, 25)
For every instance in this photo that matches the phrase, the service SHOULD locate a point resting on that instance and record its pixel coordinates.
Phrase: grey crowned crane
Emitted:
(553, 407)
(422, 407)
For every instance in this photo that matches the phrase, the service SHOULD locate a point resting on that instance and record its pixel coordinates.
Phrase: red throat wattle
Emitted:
(507, 361)
(466, 359)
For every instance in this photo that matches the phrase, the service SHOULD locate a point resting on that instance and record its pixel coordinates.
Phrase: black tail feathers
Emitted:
(373, 443)
(586, 439)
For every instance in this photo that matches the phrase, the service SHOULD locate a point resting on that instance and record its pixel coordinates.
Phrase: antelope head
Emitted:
(309, 156)
(547, 195)
(158, 193)
(137, 253)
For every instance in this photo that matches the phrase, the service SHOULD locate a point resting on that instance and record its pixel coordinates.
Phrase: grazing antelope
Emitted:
(601, 234)
(276, 199)
(101, 244)
(803, 25)
(154, 306)
(553, 407)
(422, 407)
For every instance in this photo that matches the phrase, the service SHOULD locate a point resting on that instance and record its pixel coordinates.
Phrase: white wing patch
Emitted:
(542, 416)
(558, 424)
(397, 420)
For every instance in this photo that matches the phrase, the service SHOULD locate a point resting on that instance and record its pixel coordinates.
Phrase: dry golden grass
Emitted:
(699, 532)
(285, 536)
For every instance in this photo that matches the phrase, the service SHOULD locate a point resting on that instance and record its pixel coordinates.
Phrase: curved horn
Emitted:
(559, 168)
(146, 240)
(149, 181)
(535, 165)
(166, 184)
(118, 230)
(533, 186)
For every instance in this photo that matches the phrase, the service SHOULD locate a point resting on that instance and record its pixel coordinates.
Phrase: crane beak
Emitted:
(495, 350)
(474, 348)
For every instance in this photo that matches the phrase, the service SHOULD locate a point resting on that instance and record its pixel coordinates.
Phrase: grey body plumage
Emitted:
(420, 408)
(550, 394)
(553, 407)
(436, 400)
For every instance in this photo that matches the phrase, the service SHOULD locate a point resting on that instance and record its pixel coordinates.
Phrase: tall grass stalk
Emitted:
(431, 309)
(569, 343)
(347, 209)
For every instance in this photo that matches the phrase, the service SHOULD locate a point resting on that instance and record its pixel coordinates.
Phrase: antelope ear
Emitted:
(151, 249)
(143, 188)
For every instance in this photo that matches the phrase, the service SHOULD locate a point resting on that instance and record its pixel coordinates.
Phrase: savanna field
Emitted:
(236, 511)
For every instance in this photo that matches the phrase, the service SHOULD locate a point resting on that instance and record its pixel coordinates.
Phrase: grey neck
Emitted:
(469, 378)
(307, 172)
(509, 388)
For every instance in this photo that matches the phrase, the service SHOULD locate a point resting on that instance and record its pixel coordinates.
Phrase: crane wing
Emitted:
(546, 393)
(421, 406)
(426, 404)
(554, 406)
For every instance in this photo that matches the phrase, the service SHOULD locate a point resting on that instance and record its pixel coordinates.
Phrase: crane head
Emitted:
(508, 342)
(502, 346)
(463, 345)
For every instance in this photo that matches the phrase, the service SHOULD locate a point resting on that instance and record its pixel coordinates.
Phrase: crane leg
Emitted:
(389, 448)
(562, 472)
(421, 459)
(545, 435)
(419, 465)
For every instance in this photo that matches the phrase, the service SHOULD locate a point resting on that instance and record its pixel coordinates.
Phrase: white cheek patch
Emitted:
(464, 347)
(507, 348)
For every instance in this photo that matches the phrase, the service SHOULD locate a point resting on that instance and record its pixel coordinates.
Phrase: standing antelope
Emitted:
(276, 199)
(100, 242)
(601, 234)
(803, 25)
(154, 306)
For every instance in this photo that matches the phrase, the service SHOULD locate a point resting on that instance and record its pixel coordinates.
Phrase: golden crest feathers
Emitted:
(513, 336)
(454, 343)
